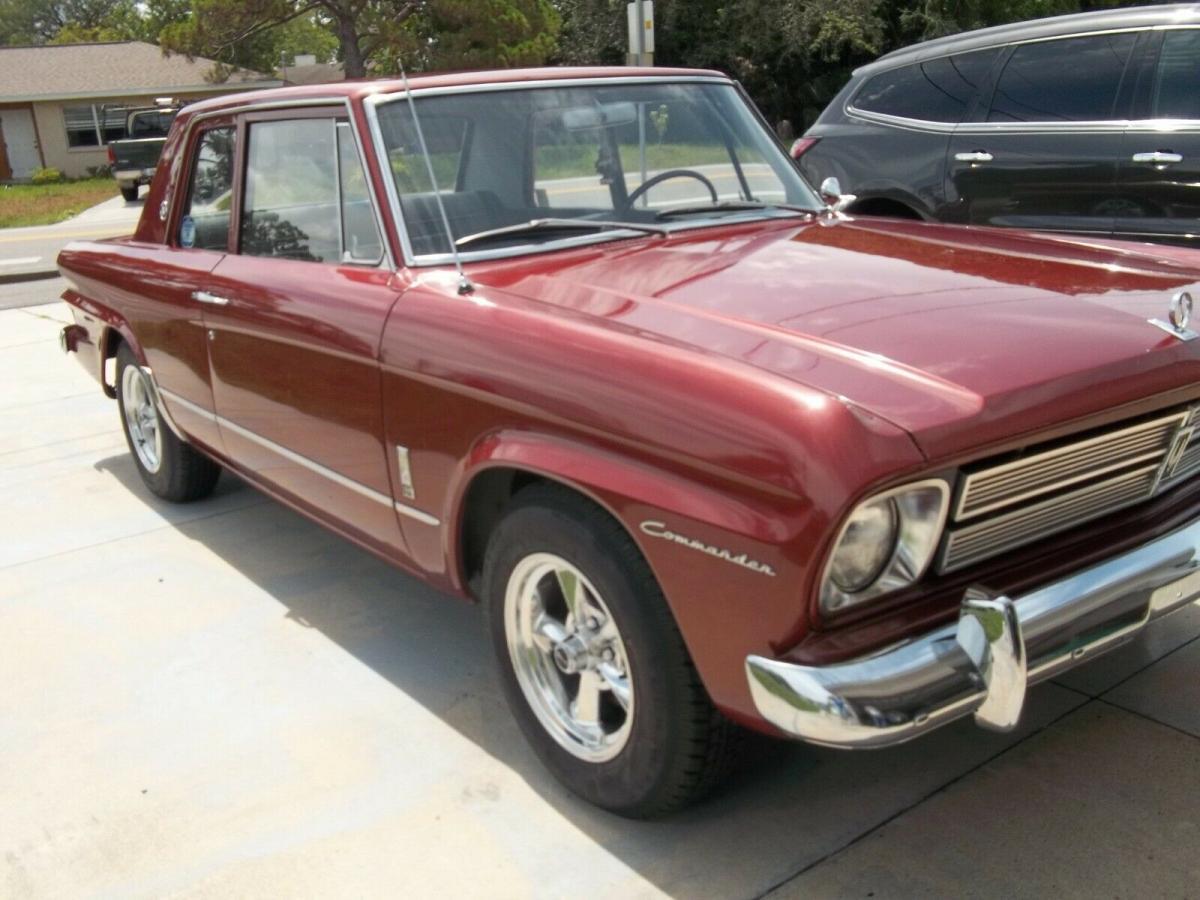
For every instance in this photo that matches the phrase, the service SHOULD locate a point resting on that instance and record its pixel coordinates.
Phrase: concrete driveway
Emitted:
(223, 699)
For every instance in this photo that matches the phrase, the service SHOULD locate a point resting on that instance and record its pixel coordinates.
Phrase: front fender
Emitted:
(723, 551)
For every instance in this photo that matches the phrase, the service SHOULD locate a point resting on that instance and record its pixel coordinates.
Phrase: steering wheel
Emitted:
(664, 176)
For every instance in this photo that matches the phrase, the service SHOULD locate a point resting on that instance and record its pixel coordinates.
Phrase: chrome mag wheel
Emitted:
(568, 657)
(141, 418)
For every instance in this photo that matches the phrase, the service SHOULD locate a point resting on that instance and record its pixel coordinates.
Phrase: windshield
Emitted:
(684, 154)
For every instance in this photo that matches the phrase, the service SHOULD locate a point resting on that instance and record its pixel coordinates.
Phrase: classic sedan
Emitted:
(583, 346)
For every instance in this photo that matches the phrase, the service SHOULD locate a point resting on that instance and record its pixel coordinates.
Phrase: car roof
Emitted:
(357, 89)
(1057, 26)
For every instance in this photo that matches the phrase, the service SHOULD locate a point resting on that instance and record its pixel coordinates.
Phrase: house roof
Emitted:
(118, 68)
(314, 73)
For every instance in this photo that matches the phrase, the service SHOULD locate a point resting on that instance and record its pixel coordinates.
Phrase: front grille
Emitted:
(1011, 503)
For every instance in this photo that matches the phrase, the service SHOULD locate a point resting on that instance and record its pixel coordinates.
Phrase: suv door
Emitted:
(890, 143)
(1159, 172)
(296, 327)
(1043, 153)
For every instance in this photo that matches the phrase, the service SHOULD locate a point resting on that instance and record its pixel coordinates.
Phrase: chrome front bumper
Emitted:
(983, 663)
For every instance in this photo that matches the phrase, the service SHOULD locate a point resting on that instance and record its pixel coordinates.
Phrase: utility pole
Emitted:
(639, 11)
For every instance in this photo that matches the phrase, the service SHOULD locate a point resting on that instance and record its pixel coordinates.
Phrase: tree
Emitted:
(425, 34)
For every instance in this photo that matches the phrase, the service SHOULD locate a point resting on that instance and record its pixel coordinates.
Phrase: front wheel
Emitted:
(592, 662)
(170, 467)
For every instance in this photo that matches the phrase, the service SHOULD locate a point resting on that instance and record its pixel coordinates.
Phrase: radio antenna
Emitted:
(464, 283)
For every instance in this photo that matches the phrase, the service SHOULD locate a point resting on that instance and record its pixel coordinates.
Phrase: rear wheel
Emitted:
(170, 467)
(129, 193)
(592, 663)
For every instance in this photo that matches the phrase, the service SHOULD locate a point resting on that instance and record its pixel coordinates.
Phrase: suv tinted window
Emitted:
(1072, 80)
(205, 220)
(1178, 77)
(936, 91)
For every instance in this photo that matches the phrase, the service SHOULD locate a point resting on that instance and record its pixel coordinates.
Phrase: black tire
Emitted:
(183, 473)
(678, 746)
(129, 193)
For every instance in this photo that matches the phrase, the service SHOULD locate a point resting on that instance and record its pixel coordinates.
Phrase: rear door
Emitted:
(296, 323)
(1043, 152)
(1159, 171)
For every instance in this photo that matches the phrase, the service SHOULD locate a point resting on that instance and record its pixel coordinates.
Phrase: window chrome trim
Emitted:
(329, 101)
(852, 111)
(303, 461)
(372, 103)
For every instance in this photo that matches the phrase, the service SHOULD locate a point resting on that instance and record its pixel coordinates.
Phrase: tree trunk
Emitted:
(352, 56)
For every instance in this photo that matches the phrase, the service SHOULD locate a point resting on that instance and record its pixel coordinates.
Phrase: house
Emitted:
(306, 70)
(60, 104)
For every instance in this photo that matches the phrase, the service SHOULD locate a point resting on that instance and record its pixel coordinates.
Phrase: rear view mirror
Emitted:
(601, 115)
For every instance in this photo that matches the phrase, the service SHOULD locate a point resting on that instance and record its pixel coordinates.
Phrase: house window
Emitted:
(94, 125)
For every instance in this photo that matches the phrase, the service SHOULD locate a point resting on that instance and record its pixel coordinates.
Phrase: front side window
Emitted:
(306, 194)
(662, 153)
(1177, 81)
(939, 90)
(1072, 80)
(204, 224)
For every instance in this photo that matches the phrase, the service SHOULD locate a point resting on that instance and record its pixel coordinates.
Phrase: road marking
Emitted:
(53, 235)
(20, 261)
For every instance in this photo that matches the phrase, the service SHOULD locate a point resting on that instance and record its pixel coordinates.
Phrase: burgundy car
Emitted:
(582, 345)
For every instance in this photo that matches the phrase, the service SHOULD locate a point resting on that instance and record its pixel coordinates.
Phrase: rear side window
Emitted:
(306, 195)
(205, 221)
(1177, 82)
(1072, 80)
(939, 90)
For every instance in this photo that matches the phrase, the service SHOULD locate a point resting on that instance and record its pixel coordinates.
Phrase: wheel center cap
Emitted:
(570, 655)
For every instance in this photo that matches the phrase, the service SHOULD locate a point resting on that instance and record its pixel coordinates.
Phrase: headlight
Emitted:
(886, 544)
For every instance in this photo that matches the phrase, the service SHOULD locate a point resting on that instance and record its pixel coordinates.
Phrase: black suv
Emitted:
(1085, 123)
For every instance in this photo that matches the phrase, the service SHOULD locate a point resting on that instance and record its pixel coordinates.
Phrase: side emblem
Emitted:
(660, 530)
(1179, 316)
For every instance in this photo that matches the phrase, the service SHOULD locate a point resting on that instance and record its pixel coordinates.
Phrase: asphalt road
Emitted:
(30, 250)
(222, 699)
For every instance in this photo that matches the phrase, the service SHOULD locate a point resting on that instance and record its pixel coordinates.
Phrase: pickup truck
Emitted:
(134, 157)
(709, 452)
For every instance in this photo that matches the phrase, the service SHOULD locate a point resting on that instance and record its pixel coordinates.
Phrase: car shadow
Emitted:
(786, 807)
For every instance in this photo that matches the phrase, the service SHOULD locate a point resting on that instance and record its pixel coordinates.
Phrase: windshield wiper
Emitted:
(535, 225)
(730, 206)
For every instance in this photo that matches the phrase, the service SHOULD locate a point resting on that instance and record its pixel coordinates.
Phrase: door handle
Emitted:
(974, 156)
(1159, 157)
(210, 299)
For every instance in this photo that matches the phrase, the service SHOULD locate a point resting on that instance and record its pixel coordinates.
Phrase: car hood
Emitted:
(961, 336)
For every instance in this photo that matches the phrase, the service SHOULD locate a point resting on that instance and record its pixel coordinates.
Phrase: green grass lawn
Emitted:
(45, 204)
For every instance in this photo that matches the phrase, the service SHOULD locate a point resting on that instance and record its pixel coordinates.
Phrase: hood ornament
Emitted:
(1179, 316)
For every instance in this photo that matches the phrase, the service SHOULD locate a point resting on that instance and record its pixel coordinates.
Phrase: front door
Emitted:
(1159, 172)
(1043, 155)
(296, 326)
(167, 312)
(20, 143)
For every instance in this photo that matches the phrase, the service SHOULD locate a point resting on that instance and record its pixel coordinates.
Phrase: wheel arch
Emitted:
(744, 517)
(888, 206)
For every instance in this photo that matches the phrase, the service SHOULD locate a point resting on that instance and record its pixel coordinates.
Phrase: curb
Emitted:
(18, 277)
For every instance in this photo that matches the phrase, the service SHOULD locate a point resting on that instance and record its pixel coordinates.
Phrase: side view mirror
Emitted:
(831, 193)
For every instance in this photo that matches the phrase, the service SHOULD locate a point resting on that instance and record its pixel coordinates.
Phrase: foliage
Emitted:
(792, 55)
(46, 175)
(45, 204)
